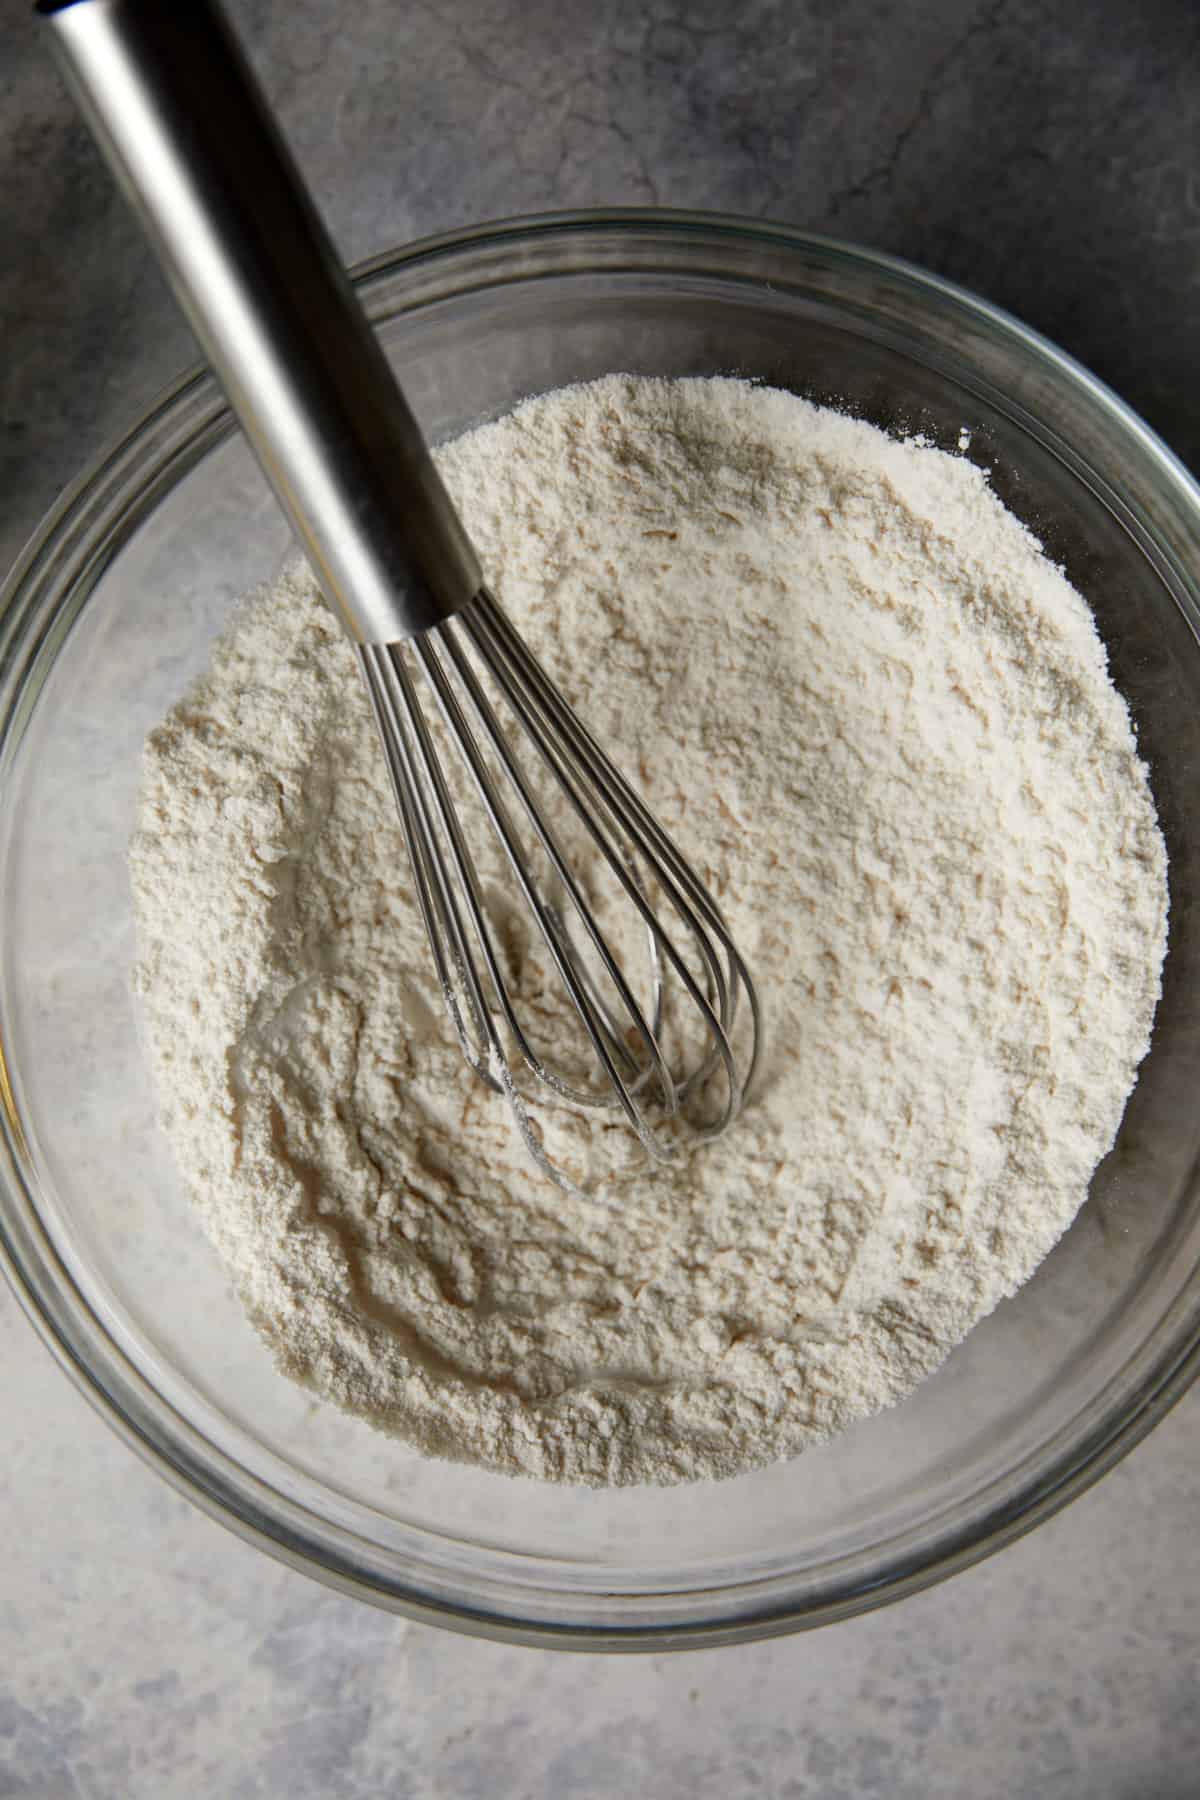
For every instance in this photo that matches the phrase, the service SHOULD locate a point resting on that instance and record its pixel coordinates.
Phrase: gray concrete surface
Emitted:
(1044, 154)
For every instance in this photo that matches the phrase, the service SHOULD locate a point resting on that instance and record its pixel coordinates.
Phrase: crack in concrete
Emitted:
(641, 167)
(883, 173)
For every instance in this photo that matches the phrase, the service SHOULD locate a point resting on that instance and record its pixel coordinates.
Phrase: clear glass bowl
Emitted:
(114, 607)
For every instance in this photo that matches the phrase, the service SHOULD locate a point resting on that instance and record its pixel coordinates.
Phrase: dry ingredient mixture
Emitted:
(879, 720)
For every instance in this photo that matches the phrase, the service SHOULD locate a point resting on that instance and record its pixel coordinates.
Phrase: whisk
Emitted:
(477, 736)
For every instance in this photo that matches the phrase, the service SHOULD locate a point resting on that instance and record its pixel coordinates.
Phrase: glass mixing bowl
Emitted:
(113, 608)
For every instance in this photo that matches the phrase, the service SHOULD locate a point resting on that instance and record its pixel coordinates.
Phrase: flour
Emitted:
(878, 719)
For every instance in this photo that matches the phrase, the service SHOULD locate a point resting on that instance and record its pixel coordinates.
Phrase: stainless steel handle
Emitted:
(185, 127)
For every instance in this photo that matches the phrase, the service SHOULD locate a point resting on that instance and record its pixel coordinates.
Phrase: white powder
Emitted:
(850, 684)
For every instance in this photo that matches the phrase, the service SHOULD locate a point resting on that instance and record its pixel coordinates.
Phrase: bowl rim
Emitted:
(180, 426)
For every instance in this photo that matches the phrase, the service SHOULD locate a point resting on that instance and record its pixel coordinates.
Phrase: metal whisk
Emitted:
(624, 1031)
(478, 739)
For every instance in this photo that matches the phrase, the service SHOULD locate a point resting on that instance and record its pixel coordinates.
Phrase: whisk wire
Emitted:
(625, 1031)
(397, 712)
(502, 824)
(586, 806)
(611, 793)
(545, 835)
(436, 809)
(396, 715)
(625, 803)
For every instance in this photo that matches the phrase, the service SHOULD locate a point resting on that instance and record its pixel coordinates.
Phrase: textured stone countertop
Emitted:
(1043, 154)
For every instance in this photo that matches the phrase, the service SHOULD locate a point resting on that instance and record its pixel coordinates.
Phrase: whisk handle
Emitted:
(188, 133)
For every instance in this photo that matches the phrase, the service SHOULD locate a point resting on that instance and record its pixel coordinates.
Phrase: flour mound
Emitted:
(871, 711)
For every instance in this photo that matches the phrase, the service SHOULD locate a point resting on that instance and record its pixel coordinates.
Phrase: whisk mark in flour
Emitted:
(886, 732)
